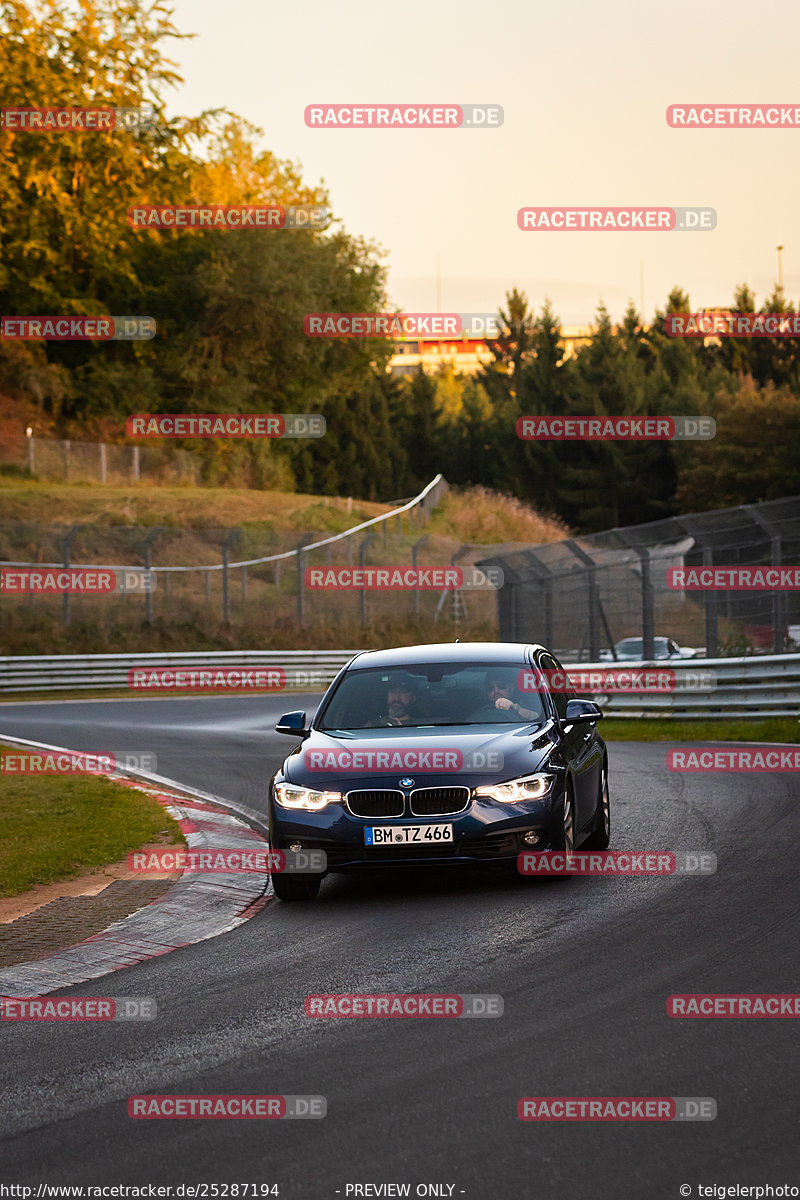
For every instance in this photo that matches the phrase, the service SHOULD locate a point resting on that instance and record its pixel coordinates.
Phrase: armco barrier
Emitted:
(96, 672)
(757, 686)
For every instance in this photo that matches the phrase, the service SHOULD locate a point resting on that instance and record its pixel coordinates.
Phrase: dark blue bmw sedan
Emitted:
(440, 756)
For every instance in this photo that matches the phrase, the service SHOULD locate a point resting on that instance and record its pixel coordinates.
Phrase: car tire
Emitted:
(565, 841)
(295, 887)
(600, 837)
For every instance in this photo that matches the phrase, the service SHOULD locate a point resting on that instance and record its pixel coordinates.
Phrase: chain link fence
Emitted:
(67, 461)
(251, 575)
(583, 595)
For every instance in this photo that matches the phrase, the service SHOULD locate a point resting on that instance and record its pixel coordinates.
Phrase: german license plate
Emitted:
(396, 835)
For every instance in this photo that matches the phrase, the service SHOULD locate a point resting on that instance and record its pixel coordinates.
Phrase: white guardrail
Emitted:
(757, 686)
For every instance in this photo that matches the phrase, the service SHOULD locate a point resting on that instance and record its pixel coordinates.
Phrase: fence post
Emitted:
(699, 535)
(135, 464)
(362, 552)
(67, 543)
(776, 558)
(103, 463)
(593, 600)
(648, 615)
(301, 580)
(545, 578)
(66, 448)
(31, 454)
(148, 562)
(712, 636)
(231, 537)
(648, 595)
(414, 550)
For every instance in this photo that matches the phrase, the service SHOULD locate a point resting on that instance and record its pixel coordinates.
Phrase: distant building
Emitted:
(466, 355)
(575, 336)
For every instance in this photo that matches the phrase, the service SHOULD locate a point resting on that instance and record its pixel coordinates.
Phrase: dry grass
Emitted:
(479, 515)
(178, 507)
(267, 617)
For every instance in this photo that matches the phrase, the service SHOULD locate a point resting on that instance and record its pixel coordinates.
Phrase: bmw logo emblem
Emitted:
(405, 782)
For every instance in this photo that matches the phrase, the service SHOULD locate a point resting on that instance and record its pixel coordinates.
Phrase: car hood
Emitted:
(474, 755)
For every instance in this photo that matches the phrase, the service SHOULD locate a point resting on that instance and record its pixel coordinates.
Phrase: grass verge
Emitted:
(179, 507)
(57, 826)
(772, 729)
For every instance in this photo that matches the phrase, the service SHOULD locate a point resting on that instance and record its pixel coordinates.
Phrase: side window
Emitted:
(560, 698)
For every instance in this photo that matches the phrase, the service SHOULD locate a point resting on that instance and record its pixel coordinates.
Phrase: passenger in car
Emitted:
(499, 695)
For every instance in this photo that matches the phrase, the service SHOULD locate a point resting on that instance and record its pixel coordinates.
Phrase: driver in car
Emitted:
(402, 700)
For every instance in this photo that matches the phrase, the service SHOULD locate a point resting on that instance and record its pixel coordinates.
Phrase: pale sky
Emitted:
(584, 88)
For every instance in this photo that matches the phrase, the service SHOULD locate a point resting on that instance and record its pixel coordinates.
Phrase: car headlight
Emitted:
(529, 787)
(289, 795)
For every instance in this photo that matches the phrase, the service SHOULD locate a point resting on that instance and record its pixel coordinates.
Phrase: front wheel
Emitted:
(565, 842)
(295, 887)
(600, 836)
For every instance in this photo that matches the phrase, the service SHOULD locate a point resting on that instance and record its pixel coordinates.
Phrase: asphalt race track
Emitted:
(585, 967)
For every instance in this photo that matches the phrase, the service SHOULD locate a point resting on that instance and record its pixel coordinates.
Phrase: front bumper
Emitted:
(486, 832)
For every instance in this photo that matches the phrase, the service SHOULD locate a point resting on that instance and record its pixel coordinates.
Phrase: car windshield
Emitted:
(636, 646)
(433, 694)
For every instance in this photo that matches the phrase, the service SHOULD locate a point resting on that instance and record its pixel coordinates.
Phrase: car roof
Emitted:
(478, 652)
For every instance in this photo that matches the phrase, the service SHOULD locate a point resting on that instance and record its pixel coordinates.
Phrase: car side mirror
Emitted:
(293, 723)
(582, 712)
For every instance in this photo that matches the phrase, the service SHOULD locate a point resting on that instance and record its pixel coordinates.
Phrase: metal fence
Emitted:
(740, 687)
(585, 594)
(101, 462)
(107, 672)
(249, 573)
